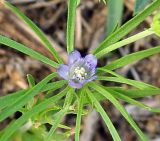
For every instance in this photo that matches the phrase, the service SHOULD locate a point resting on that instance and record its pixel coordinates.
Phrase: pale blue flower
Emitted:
(79, 70)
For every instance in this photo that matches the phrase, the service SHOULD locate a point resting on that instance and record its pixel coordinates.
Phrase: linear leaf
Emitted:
(31, 80)
(72, 4)
(132, 93)
(120, 108)
(137, 84)
(21, 101)
(136, 93)
(30, 52)
(124, 42)
(37, 30)
(128, 26)
(10, 99)
(132, 101)
(37, 109)
(115, 10)
(78, 2)
(140, 5)
(105, 117)
(128, 59)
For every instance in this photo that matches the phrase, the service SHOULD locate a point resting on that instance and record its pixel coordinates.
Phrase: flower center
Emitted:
(79, 73)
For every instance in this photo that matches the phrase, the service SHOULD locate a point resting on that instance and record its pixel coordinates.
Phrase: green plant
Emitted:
(52, 109)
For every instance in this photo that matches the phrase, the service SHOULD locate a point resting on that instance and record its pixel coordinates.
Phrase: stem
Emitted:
(124, 42)
(61, 114)
(72, 4)
(79, 114)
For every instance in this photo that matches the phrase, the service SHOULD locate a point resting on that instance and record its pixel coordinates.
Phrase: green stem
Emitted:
(79, 114)
(72, 4)
(124, 42)
(61, 114)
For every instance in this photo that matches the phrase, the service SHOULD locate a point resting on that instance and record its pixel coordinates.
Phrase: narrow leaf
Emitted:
(132, 93)
(37, 30)
(128, 59)
(31, 80)
(135, 93)
(140, 5)
(10, 99)
(124, 42)
(137, 84)
(105, 117)
(115, 10)
(21, 101)
(132, 101)
(140, 85)
(128, 26)
(123, 111)
(37, 109)
(13, 44)
(78, 2)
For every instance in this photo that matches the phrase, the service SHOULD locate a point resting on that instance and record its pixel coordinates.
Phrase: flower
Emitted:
(79, 70)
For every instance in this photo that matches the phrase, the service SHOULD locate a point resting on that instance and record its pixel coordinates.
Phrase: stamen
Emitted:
(79, 73)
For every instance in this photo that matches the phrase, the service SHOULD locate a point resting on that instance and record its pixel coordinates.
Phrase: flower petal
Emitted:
(91, 60)
(75, 85)
(74, 56)
(63, 71)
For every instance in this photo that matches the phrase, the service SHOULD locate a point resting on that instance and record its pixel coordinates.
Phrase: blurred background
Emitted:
(93, 24)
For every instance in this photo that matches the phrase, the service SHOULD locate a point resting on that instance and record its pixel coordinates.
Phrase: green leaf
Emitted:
(58, 119)
(72, 4)
(37, 109)
(155, 26)
(61, 114)
(140, 5)
(78, 2)
(61, 136)
(132, 93)
(127, 27)
(21, 101)
(11, 98)
(37, 30)
(79, 114)
(115, 10)
(119, 107)
(13, 44)
(54, 85)
(132, 101)
(31, 80)
(124, 42)
(137, 84)
(140, 85)
(105, 117)
(136, 93)
(128, 59)
(104, 1)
